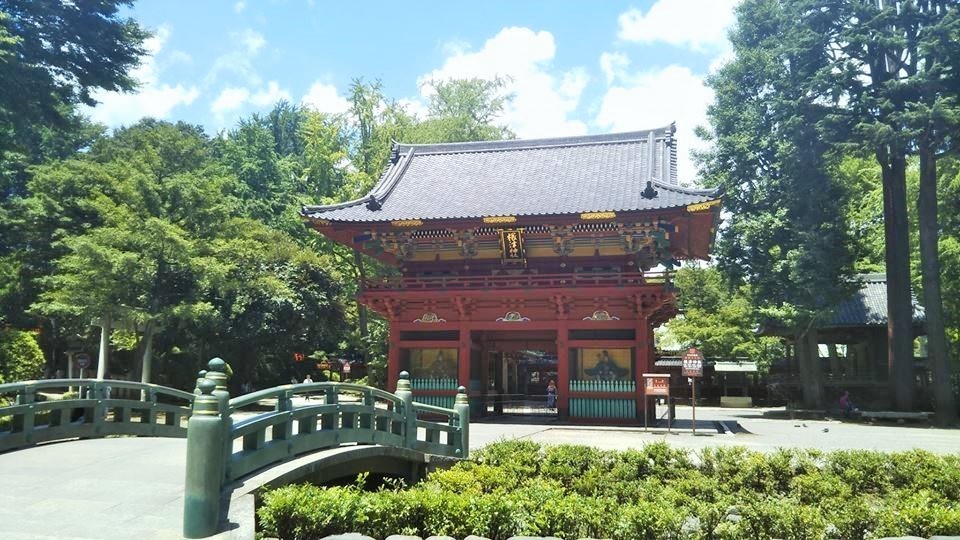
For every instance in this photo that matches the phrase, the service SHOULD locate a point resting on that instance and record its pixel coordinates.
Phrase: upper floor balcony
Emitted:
(519, 281)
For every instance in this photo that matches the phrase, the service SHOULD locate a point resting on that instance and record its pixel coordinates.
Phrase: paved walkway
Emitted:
(121, 488)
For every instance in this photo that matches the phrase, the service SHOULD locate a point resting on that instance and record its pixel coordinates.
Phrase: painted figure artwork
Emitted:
(611, 365)
(433, 363)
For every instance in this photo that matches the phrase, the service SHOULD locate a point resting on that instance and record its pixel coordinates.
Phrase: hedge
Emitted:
(522, 488)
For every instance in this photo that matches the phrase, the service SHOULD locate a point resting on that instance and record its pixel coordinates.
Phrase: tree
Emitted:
(53, 55)
(722, 324)
(887, 73)
(463, 110)
(786, 236)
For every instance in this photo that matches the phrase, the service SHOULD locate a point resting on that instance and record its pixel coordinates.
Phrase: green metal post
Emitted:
(409, 416)
(462, 406)
(217, 372)
(200, 376)
(201, 504)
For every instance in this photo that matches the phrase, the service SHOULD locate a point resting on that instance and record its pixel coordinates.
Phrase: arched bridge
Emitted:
(269, 437)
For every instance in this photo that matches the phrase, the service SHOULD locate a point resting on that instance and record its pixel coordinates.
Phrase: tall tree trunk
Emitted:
(933, 304)
(899, 305)
(811, 376)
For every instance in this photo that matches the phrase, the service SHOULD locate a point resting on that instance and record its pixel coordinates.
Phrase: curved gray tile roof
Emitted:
(523, 177)
(868, 307)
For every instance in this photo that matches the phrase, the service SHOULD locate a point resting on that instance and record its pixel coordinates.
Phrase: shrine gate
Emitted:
(525, 261)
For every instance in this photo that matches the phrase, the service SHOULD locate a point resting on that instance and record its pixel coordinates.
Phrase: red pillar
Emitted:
(644, 347)
(463, 357)
(393, 358)
(563, 369)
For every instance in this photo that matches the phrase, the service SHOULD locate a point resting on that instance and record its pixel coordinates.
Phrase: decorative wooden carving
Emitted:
(429, 317)
(601, 315)
(513, 316)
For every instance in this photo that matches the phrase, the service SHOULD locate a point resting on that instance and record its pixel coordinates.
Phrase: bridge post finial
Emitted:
(405, 393)
(204, 470)
(202, 374)
(462, 406)
(219, 371)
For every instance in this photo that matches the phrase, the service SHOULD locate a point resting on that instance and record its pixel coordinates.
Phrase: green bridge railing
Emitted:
(226, 443)
(225, 440)
(89, 408)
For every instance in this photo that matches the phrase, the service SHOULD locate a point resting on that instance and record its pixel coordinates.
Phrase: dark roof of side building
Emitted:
(594, 173)
(868, 306)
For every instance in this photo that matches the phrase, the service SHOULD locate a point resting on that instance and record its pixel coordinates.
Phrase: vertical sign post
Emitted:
(655, 384)
(693, 368)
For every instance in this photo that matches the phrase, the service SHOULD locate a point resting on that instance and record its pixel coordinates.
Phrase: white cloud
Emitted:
(251, 40)
(230, 99)
(323, 97)
(268, 96)
(699, 24)
(543, 98)
(612, 64)
(655, 98)
(151, 98)
(238, 7)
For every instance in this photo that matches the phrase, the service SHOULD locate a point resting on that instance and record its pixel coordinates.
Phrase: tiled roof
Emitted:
(595, 173)
(868, 307)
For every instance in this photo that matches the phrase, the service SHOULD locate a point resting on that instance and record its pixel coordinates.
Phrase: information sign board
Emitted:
(656, 384)
(693, 363)
(83, 360)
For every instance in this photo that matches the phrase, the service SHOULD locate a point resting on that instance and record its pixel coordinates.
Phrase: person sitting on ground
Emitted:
(846, 406)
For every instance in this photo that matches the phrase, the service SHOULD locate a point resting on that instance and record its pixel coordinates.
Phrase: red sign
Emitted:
(693, 363)
(298, 357)
(656, 384)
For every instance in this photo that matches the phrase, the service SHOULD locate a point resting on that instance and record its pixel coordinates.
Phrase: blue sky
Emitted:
(575, 67)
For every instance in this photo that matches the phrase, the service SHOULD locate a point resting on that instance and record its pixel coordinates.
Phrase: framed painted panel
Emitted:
(433, 363)
(603, 364)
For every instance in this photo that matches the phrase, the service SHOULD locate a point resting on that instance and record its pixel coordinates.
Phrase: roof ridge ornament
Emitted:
(373, 203)
(648, 192)
(394, 151)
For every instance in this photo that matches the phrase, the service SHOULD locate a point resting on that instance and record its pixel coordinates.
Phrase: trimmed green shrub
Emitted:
(20, 356)
(523, 488)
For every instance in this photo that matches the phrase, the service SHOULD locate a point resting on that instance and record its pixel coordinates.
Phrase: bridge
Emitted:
(228, 447)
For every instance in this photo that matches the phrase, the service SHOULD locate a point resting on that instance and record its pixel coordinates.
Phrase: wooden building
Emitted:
(522, 261)
(852, 350)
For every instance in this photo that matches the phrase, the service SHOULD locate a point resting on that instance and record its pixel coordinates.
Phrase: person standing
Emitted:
(552, 394)
(307, 380)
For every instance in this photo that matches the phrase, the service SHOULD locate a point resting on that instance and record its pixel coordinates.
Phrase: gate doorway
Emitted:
(517, 370)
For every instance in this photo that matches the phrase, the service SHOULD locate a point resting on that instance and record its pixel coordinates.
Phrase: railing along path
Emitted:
(91, 408)
(225, 442)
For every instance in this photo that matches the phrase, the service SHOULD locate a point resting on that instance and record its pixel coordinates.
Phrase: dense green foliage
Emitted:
(192, 246)
(721, 323)
(522, 488)
(815, 89)
(20, 357)
(53, 56)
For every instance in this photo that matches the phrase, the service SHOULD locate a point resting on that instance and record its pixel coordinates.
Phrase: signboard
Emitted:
(511, 245)
(693, 363)
(656, 384)
(83, 360)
